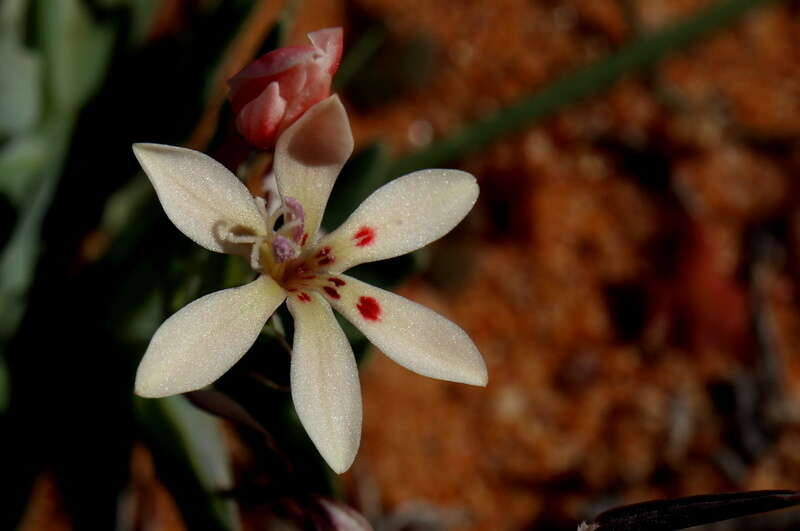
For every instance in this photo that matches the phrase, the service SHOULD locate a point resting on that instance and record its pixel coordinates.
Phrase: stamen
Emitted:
(255, 254)
(294, 228)
(245, 238)
(227, 234)
(295, 208)
(261, 203)
(295, 218)
(273, 218)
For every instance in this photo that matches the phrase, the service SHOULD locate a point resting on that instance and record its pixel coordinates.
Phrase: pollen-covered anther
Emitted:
(284, 249)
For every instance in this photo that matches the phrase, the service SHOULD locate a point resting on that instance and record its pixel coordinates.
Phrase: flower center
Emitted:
(281, 253)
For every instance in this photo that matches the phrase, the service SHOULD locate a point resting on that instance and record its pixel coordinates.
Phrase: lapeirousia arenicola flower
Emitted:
(296, 264)
(273, 91)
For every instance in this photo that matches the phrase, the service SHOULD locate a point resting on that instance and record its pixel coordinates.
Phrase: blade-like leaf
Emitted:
(18, 258)
(681, 513)
(20, 91)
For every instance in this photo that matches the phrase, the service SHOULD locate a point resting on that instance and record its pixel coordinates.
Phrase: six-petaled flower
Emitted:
(295, 263)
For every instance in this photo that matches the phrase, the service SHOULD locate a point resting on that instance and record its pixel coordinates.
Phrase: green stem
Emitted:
(576, 86)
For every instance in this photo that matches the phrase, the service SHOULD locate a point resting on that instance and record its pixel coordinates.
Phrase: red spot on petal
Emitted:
(304, 240)
(305, 297)
(325, 261)
(325, 251)
(338, 282)
(364, 236)
(332, 292)
(369, 308)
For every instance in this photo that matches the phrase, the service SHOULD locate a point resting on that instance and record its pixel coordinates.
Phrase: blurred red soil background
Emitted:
(630, 274)
(630, 271)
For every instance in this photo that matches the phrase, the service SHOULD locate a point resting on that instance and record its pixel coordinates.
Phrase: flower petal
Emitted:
(204, 339)
(330, 43)
(309, 156)
(283, 65)
(258, 121)
(324, 380)
(403, 215)
(414, 336)
(199, 195)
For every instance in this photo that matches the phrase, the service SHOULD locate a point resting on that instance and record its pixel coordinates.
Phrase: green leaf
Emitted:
(18, 258)
(20, 87)
(641, 53)
(12, 16)
(192, 460)
(21, 162)
(77, 51)
(124, 204)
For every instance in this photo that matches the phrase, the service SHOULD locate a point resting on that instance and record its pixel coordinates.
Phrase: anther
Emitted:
(284, 249)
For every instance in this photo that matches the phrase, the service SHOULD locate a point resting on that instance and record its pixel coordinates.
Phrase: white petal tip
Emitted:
(476, 375)
(341, 464)
(479, 380)
(199, 195)
(142, 149)
(337, 451)
(147, 388)
(155, 384)
(466, 183)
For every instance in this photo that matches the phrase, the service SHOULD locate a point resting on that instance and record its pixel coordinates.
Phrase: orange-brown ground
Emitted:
(616, 305)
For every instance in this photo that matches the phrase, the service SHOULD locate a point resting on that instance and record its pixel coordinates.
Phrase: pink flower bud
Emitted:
(276, 89)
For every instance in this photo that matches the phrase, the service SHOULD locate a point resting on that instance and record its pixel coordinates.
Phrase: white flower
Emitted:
(211, 206)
